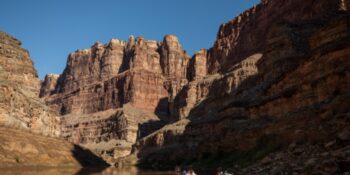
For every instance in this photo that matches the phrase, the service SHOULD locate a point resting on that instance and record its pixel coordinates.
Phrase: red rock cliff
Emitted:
(107, 80)
(278, 70)
(141, 72)
(278, 79)
(247, 33)
(20, 106)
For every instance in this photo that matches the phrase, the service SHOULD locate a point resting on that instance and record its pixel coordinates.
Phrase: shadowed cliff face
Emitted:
(277, 74)
(248, 33)
(277, 78)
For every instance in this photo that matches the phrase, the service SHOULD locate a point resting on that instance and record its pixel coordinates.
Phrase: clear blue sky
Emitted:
(51, 29)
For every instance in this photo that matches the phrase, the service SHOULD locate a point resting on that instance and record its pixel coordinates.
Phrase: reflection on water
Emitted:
(41, 171)
(65, 171)
(115, 171)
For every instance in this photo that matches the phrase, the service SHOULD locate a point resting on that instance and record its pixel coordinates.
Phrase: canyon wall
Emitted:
(273, 88)
(29, 129)
(276, 75)
(117, 92)
(19, 87)
(248, 33)
(108, 76)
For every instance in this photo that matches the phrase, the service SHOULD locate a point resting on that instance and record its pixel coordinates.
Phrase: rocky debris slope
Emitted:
(19, 86)
(109, 133)
(22, 149)
(275, 77)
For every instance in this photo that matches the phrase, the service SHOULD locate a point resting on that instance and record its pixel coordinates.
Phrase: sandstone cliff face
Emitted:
(100, 85)
(131, 86)
(213, 86)
(16, 65)
(144, 55)
(48, 85)
(27, 125)
(19, 88)
(247, 33)
(174, 60)
(135, 72)
(87, 66)
(174, 64)
(278, 74)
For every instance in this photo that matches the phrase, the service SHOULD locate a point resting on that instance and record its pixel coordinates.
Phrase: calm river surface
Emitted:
(108, 171)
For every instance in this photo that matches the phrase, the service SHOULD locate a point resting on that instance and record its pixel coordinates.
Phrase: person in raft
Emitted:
(191, 172)
(219, 172)
(178, 170)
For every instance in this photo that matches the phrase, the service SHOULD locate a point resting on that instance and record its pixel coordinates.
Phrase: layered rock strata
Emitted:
(102, 88)
(248, 33)
(273, 75)
(28, 128)
(118, 73)
(48, 85)
(19, 87)
(276, 74)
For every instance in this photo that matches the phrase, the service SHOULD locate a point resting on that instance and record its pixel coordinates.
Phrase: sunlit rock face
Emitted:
(25, 149)
(16, 65)
(20, 105)
(100, 85)
(198, 66)
(48, 85)
(30, 130)
(140, 72)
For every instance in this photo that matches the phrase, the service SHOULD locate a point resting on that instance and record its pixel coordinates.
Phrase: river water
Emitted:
(108, 171)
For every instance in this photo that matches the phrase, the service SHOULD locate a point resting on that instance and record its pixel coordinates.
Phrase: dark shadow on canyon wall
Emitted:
(125, 62)
(216, 121)
(86, 158)
(162, 112)
(162, 109)
(149, 127)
